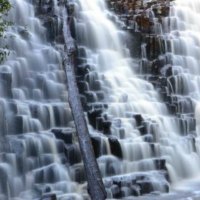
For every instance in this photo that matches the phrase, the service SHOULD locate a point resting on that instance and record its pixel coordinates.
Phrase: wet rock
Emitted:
(83, 101)
(98, 146)
(90, 96)
(99, 123)
(82, 52)
(187, 124)
(49, 196)
(161, 11)
(148, 138)
(93, 117)
(24, 33)
(134, 44)
(18, 125)
(139, 119)
(71, 8)
(144, 23)
(154, 47)
(106, 127)
(81, 61)
(83, 70)
(73, 154)
(115, 190)
(135, 190)
(72, 25)
(79, 174)
(82, 86)
(6, 84)
(92, 77)
(51, 24)
(115, 147)
(145, 187)
(100, 95)
(160, 164)
(96, 86)
(64, 134)
(142, 129)
(167, 70)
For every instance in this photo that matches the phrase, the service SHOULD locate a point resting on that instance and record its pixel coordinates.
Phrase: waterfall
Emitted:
(33, 104)
(141, 147)
(185, 52)
(147, 133)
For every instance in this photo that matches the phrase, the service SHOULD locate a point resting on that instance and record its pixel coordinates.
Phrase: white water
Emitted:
(186, 48)
(33, 99)
(184, 33)
(36, 99)
(127, 95)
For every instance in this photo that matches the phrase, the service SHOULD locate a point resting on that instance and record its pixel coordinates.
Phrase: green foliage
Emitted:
(4, 8)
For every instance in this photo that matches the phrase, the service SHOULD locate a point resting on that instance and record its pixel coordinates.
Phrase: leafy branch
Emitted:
(4, 8)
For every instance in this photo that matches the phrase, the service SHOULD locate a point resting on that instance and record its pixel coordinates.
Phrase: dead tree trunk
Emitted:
(96, 188)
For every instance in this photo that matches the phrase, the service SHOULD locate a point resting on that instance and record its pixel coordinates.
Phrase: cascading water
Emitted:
(152, 141)
(183, 32)
(142, 147)
(34, 100)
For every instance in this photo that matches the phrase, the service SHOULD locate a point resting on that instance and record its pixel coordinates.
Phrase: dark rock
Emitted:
(73, 154)
(145, 187)
(51, 24)
(97, 85)
(83, 86)
(106, 127)
(139, 119)
(83, 70)
(134, 44)
(115, 191)
(90, 96)
(49, 196)
(160, 164)
(79, 174)
(154, 47)
(19, 124)
(82, 52)
(6, 84)
(72, 26)
(115, 147)
(100, 95)
(148, 138)
(98, 146)
(142, 129)
(64, 134)
(83, 102)
(81, 61)
(94, 116)
(99, 123)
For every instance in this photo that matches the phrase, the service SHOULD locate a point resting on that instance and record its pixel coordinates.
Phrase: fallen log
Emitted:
(96, 187)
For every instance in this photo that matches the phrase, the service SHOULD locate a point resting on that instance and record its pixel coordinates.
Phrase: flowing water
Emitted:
(33, 100)
(150, 144)
(166, 137)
